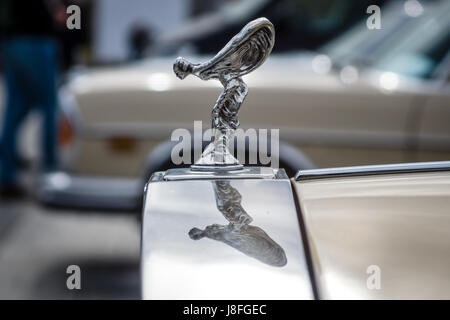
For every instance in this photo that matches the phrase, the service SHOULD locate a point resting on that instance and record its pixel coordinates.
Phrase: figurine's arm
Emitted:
(183, 67)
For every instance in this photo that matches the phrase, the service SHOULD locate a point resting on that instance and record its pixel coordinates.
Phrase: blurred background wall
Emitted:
(109, 26)
(115, 21)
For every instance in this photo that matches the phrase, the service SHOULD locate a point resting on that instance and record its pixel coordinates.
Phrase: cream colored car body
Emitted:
(379, 237)
(333, 122)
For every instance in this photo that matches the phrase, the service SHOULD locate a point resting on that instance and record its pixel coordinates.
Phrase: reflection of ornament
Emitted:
(242, 54)
(239, 234)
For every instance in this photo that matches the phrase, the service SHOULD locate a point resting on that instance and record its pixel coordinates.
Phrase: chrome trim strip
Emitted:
(372, 170)
(178, 174)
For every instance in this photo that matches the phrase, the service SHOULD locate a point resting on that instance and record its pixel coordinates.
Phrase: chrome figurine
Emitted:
(245, 52)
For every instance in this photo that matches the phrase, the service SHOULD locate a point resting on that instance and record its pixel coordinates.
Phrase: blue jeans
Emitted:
(30, 67)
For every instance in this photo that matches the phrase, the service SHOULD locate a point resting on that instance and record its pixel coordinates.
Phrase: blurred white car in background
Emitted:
(369, 97)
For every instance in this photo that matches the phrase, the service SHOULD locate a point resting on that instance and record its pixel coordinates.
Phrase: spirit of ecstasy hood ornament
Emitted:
(245, 52)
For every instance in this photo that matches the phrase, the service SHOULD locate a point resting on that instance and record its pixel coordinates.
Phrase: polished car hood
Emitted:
(222, 239)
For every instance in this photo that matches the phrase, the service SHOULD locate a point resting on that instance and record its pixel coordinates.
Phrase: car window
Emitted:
(300, 24)
(420, 51)
(359, 44)
(411, 44)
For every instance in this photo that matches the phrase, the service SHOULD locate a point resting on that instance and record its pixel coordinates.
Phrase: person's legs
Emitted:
(15, 112)
(30, 70)
(46, 71)
(41, 66)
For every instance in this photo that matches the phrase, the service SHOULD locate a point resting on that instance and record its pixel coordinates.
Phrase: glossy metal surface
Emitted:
(397, 222)
(245, 52)
(222, 239)
(373, 170)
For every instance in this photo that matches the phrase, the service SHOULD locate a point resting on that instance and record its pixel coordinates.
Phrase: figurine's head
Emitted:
(196, 234)
(182, 68)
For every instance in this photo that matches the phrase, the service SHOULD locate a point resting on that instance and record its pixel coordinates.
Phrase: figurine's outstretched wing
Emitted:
(243, 53)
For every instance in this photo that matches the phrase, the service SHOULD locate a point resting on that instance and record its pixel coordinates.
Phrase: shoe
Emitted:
(11, 191)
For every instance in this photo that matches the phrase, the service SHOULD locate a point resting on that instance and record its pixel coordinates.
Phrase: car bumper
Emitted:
(101, 193)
